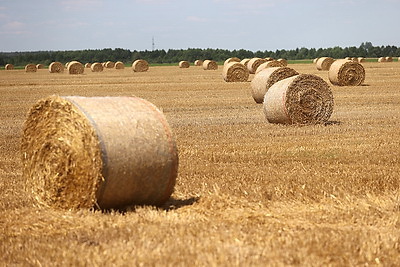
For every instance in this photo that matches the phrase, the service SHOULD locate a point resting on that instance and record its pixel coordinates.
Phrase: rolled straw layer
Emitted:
(56, 67)
(254, 63)
(9, 67)
(301, 99)
(97, 67)
(235, 72)
(210, 65)
(346, 73)
(109, 152)
(75, 67)
(269, 64)
(264, 79)
(119, 65)
(231, 59)
(323, 63)
(140, 65)
(30, 68)
(184, 64)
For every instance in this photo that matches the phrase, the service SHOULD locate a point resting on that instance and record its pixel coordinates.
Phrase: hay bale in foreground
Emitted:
(9, 67)
(39, 66)
(235, 72)
(97, 67)
(346, 73)
(140, 65)
(254, 63)
(264, 79)
(183, 64)
(323, 63)
(56, 67)
(301, 99)
(269, 64)
(107, 152)
(231, 59)
(75, 67)
(119, 65)
(30, 68)
(210, 65)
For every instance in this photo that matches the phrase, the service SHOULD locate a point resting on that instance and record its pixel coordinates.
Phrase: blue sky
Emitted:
(227, 24)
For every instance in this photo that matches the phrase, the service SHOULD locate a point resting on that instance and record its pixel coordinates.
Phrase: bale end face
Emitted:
(235, 72)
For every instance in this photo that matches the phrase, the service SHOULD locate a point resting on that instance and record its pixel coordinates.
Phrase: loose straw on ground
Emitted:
(323, 63)
(97, 67)
(264, 79)
(140, 65)
(210, 65)
(105, 152)
(56, 67)
(30, 68)
(346, 73)
(235, 72)
(183, 64)
(75, 67)
(301, 99)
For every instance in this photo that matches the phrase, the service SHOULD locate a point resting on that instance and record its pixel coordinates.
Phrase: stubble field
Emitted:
(248, 192)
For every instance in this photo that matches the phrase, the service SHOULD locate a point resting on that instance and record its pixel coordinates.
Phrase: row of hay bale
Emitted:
(386, 59)
(207, 64)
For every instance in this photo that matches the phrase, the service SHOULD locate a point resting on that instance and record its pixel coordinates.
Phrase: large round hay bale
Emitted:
(106, 152)
(75, 67)
(382, 59)
(245, 61)
(97, 67)
(323, 63)
(269, 64)
(264, 79)
(315, 60)
(39, 66)
(235, 72)
(110, 64)
(283, 62)
(198, 62)
(300, 99)
(183, 64)
(88, 65)
(140, 65)
(210, 65)
(30, 68)
(231, 59)
(254, 63)
(346, 73)
(56, 67)
(361, 59)
(9, 67)
(119, 65)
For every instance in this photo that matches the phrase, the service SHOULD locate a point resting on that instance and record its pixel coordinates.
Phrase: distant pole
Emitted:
(152, 44)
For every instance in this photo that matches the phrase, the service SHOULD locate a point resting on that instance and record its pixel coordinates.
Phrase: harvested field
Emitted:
(248, 192)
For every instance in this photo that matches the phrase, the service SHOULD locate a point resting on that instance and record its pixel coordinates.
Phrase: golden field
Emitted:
(248, 193)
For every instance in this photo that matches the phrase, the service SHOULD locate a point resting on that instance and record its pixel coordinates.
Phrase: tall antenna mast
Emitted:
(152, 44)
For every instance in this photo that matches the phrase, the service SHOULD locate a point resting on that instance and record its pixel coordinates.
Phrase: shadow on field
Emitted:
(332, 123)
(174, 204)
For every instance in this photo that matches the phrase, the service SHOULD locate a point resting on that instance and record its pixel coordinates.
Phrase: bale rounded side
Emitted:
(269, 64)
(323, 63)
(119, 65)
(254, 63)
(235, 72)
(9, 66)
(183, 64)
(210, 65)
(198, 62)
(231, 59)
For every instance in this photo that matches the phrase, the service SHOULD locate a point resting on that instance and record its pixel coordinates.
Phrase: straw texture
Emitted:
(245, 61)
(315, 60)
(30, 68)
(110, 64)
(88, 65)
(346, 73)
(75, 67)
(109, 152)
(283, 61)
(323, 63)
(9, 67)
(264, 79)
(97, 67)
(39, 66)
(231, 59)
(56, 67)
(210, 65)
(119, 65)
(235, 72)
(254, 63)
(184, 64)
(301, 99)
(140, 65)
(269, 64)
(198, 62)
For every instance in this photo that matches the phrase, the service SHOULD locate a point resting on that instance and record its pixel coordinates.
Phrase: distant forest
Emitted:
(191, 54)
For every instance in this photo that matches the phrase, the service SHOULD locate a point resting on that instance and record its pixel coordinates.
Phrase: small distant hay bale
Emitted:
(389, 59)
(140, 65)
(235, 72)
(183, 64)
(39, 66)
(324, 63)
(56, 67)
(110, 64)
(264, 79)
(88, 65)
(283, 61)
(348, 58)
(269, 64)
(198, 62)
(76, 155)
(232, 59)
(104, 64)
(245, 61)
(301, 99)
(361, 59)
(354, 59)
(346, 73)
(9, 67)
(269, 59)
(382, 59)
(30, 68)
(75, 67)
(119, 65)
(315, 60)
(97, 67)
(210, 65)
(254, 63)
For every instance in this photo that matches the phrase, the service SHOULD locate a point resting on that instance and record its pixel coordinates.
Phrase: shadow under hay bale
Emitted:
(105, 152)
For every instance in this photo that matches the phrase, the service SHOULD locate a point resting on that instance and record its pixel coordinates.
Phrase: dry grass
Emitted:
(248, 192)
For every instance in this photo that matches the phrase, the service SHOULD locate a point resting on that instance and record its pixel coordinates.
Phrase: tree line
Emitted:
(160, 56)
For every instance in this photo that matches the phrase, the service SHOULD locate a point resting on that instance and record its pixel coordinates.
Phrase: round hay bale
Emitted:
(198, 62)
(315, 60)
(235, 72)
(355, 59)
(283, 61)
(75, 153)
(346, 73)
(88, 65)
(361, 59)
(75, 67)
(140, 65)
(269, 64)
(56, 67)
(245, 61)
(97, 67)
(254, 63)
(30, 68)
(231, 59)
(323, 63)
(269, 59)
(184, 64)
(9, 67)
(347, 58)
(210, 65)
(119, 65)
(389, 59)
(300, 99)
(110, 64)
(264, 79)
(39, 66)
(382, 59)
